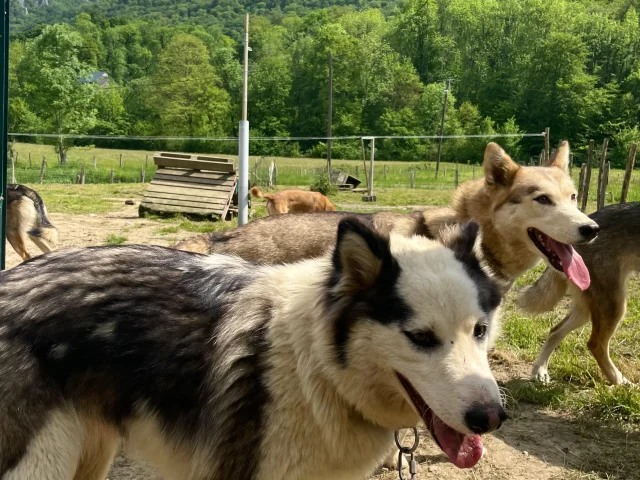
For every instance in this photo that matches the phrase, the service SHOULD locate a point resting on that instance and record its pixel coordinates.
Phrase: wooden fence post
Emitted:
(445, 172)
(587, 177)
(82, 175)
(631, 161)
(583, 171)
(95, 162)
(120, 160)
(44, 162)
(111, 176)
(146, 160)
(603, 163)
(385, 172)
(29, 159)
(142, 175)
(605, 183)
(456, 178)
(571, 165)
(412, 178)
(473, 172)
(546, 145)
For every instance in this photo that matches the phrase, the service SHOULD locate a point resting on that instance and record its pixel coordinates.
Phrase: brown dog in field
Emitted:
(294, 201)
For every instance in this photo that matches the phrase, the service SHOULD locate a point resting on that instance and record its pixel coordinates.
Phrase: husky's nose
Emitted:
(590, 231)
(485, 418)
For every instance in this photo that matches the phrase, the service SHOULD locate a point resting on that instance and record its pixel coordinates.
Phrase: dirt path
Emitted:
(534, 444)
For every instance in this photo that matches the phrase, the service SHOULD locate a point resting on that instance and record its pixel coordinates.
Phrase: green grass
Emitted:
(291, 172)
(112, 239)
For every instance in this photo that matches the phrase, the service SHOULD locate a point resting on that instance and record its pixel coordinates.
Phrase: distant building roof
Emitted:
(101, 78)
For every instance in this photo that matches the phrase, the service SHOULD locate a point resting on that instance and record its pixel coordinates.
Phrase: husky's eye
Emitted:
(480, 331)
(544, 200)
(573, 196)
(423, 338)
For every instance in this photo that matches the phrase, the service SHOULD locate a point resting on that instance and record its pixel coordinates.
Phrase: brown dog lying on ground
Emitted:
(294, 201)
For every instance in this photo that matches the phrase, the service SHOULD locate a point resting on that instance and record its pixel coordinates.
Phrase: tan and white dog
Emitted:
(215, 368)
(294, 201)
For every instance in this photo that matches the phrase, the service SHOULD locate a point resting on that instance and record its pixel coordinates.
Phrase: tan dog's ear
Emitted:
(499, 169)
(560, 158)
(360, 258)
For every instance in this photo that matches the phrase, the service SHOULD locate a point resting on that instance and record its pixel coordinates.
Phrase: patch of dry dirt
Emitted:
(533, 444)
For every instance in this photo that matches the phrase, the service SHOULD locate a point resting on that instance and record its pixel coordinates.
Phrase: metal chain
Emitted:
(407, 451)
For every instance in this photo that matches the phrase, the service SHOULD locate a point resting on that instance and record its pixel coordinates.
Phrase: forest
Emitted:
(515, 66)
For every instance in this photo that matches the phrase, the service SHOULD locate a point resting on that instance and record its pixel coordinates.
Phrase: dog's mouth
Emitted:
(463, 450)
(562, 257)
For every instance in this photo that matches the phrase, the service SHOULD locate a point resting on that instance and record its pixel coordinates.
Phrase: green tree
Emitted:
(54, 84)
(186, 97)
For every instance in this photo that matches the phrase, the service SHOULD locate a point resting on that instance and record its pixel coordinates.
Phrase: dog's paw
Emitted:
(540, 374)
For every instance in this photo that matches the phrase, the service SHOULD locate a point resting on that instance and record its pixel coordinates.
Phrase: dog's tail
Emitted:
(544, 294)
(255, 191)
(44, 229)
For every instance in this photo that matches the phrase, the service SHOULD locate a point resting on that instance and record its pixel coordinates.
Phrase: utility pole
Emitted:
(444, 111)
(4, 108)
(330, 116)
(243, 138)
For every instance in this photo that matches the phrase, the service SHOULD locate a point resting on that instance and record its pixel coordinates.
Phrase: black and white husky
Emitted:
(215, 368)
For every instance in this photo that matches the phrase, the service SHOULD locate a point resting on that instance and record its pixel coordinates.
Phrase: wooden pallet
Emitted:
(193, 184)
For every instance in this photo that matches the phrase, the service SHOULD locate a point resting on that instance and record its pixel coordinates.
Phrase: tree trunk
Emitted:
(63, 153)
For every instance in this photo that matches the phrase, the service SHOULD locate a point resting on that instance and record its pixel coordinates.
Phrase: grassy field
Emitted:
(577, 388)
(290, 172)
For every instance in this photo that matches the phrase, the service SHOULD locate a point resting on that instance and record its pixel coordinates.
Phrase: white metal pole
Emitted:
(243, 139)
(372, 147)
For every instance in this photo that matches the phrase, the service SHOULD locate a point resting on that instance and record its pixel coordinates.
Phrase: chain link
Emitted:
(407, 451)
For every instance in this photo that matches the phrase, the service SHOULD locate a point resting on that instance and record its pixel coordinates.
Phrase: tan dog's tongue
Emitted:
(572, 264)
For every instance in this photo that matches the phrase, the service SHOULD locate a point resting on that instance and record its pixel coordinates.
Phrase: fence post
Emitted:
(120, 160)
(142, 175)
(370, 197)
(546, 145)
(29, 159)
(13, 169)
(605, 183)
(445, 172)
(111, 176)
(412, 177)
(82, 175)
(571, 165)
(603, 162)
(385, 172)
(275, 173)
(95, 162)
(587, 177)
(364, 163)
(44, 162)
(631, 161)
(583, 171)
(146, 160)
(473, 172)
(456, 178)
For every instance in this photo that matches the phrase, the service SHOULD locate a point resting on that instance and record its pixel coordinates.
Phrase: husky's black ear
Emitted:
(461, 240)
(560, 158)
(499, 169)
(360, 257)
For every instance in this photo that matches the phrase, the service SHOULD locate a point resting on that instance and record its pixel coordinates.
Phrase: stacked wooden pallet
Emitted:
(193, 184)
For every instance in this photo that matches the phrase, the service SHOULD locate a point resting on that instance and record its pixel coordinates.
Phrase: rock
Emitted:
(129, 202)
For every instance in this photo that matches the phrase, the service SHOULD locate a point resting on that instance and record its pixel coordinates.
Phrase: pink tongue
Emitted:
(572, 264)
(464, 451)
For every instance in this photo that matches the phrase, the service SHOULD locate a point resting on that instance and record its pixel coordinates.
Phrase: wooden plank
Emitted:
(214, 159)
(195, 186)
(185, 156)
(193, 180)
(194, 173)
(194, 164)
(183, 203)
(189, 192)
(174, 209)
(194, 156)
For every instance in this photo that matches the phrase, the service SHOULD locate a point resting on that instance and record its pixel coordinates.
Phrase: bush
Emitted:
(321, 184)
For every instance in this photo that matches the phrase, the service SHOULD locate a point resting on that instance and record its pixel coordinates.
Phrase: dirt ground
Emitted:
(533, 444)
